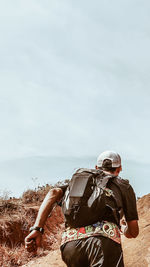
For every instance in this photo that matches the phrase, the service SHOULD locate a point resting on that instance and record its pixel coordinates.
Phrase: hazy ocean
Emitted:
(18, 175)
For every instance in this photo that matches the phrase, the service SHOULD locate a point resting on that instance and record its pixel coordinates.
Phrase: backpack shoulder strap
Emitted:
(105, 181)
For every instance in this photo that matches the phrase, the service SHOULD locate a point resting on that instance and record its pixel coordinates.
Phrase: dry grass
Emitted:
(17, 256)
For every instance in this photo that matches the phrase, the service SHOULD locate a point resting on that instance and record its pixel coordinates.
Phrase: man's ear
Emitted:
(118, 170)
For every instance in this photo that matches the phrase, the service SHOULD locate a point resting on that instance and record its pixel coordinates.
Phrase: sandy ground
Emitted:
(53, 259)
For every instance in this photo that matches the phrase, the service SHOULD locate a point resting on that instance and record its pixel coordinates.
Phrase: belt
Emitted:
(104, 228)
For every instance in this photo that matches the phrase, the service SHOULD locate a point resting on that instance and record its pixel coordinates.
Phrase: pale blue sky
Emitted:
(74, 78)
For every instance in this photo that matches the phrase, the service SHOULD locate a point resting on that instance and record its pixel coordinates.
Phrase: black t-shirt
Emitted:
(125, 196)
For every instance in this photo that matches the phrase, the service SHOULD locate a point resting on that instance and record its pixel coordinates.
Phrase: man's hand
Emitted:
(33, 241)
(130, 228)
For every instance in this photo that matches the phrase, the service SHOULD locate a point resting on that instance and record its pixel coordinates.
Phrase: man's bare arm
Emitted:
(33, 240)
(51, 198)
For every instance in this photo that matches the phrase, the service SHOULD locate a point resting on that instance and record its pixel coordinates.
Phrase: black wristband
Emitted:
(40, 229)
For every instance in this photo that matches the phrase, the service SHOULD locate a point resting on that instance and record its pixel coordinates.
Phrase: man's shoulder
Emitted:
(122, 183)
(63, 185)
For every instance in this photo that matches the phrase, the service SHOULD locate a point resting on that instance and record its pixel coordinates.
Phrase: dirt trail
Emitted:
(53, 259)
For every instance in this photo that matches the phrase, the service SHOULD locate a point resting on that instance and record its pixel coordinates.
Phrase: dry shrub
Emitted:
(14, 227)
(17, 256)
(4, 195)
(17, 216)
(37, 195)
(30, 196)
(7, 207)
(13, 257)
(13, 232)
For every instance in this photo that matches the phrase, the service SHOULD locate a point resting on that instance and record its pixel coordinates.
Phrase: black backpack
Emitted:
(87, 200)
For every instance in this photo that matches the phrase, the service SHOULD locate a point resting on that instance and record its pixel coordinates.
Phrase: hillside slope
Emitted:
(136, 251)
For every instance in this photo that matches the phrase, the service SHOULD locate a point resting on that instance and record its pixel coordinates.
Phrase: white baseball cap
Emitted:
(111, 155)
